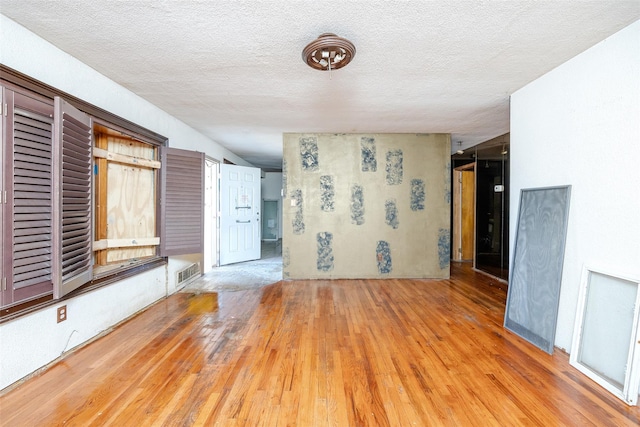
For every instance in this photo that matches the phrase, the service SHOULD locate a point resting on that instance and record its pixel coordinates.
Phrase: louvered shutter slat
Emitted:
(31, 130)
(36, 263)
(73, 164)
(32, 152)
(43, 174)
(36, 230)
(34, 184)
(33, 142)
(76, 177)
(22, 281)
(35, 209)
(29, 246)
(70, 220)
(72, 257)
(35, 257)
(30, 163)
(26, 193)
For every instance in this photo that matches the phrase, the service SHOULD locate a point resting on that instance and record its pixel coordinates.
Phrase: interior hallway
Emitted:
(243, 275)
(304, 353)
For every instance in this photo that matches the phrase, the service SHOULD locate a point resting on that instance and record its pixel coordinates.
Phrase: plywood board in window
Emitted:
(131, 208)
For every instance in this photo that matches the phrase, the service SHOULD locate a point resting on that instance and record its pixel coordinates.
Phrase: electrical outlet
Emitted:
(62, 313)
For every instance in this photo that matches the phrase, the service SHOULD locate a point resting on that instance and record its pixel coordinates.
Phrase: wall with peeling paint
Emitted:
(366, 206)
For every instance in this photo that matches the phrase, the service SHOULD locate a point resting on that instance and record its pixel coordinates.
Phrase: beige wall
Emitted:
(366, 205)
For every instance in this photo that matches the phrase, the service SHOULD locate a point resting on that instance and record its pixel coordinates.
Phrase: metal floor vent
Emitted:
(186, 274)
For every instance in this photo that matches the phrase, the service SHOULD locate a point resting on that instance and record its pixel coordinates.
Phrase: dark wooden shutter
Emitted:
(182, 202)
(27, 254)
(73, 264)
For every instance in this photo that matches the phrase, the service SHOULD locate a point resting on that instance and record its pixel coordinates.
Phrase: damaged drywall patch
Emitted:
(383, 257)
(309, 153)
(368, 154)
(444, 250)
(325, 251)
(417, 195)
(357, 204)
(298, 218)
(327, 193)
(394, 167)
(391, 213)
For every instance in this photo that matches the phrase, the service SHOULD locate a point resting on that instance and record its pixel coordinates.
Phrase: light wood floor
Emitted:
(319, 353)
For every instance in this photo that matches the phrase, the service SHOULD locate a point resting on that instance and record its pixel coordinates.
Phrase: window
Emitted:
(85, 197)
(125, 199)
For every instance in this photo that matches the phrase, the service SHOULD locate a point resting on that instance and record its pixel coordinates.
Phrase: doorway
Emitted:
(492, 214)
(480, 207)
(270, 220)
(463, 212)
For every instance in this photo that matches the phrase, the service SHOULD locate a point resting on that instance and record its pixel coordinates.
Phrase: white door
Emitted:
(239, 214)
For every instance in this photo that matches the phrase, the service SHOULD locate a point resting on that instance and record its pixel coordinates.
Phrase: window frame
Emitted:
(101, 181)
(16, 81)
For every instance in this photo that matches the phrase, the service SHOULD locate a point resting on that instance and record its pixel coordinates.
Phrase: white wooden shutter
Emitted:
(72, 235)
(182, 202)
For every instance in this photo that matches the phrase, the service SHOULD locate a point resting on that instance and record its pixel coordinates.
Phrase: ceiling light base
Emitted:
(328, 52)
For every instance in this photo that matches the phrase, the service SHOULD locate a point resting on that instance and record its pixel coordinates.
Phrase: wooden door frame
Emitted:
(212, 221)
(456, 240)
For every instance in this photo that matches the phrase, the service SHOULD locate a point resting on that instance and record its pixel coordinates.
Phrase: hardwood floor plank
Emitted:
(318, 353)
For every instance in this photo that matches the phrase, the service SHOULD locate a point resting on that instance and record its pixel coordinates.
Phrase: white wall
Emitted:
(271, 189)
(580, 125)
(32, 341)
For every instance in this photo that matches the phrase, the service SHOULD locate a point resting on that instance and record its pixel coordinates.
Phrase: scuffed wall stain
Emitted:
(325, 251)
(284, 178)
(357, 204)
(394, 167)
(391, 213)
(286, 257)
(286, 261)
(298, 219)
(383, 257)
(417, 195)
(444, 249)
(328, 193)
(447, 183)
(368, 153)
(309, 153)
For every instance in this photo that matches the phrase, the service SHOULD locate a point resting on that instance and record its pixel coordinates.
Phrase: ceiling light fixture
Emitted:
(460, 150)
(328, 52)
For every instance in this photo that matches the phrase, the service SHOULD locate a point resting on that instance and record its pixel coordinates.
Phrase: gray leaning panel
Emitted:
(536, 269)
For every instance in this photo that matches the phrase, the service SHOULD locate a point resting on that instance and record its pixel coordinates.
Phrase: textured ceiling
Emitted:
(233, 69)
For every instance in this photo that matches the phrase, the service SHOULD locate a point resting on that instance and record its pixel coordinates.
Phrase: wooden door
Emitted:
(463, 212)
